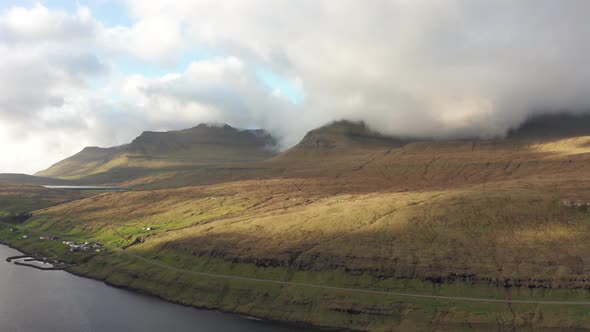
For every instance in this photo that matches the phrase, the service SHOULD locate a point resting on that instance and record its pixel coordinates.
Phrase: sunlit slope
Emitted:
(424, 210)
(165, 152)
(353, 156)
(477, 219)
(343, 151)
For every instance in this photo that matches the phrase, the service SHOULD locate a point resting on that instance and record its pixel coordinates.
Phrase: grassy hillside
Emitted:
(480, 219)
(24, 179)
(19, 200)
(165, 154)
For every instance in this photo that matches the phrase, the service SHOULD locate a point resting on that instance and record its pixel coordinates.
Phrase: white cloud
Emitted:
(39, 24)
(156, 39)
(413, 68)
(435, 68)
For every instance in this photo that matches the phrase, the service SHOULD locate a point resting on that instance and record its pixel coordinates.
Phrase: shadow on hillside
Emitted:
(536, 240)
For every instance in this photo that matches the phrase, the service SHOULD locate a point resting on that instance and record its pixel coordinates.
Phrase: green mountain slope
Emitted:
(350, 208)
(154, 152)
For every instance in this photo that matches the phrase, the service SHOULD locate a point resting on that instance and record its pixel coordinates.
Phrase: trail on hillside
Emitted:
(357, 290)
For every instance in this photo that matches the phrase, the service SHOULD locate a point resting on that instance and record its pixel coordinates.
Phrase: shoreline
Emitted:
(145, 292)
(210, 296)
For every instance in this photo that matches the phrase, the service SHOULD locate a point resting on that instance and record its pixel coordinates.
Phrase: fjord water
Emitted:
(34, 300)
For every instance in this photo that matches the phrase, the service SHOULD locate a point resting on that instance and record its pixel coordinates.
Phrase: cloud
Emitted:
(42, 25)
(155, 39)
(417, 68)
(440, 69)
(217, 90)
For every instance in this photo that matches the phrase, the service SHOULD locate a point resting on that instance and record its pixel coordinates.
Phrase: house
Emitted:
(86, 246)
(567, 202)
(575, 203)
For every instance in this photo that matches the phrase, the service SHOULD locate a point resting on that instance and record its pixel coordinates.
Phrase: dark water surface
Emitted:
(105, 188)
(34, 300)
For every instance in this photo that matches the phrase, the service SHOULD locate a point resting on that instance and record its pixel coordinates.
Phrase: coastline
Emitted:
(315, 308)
(149, 293)
(146, 292)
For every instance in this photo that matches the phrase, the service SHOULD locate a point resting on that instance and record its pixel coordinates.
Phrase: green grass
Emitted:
(389, 219)
(274, 224)
(22, 199)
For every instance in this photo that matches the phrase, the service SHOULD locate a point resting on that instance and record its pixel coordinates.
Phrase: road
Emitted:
(355, 290)
(347, 289)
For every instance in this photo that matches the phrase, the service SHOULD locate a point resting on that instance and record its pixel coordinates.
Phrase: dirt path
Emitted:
(356, 290)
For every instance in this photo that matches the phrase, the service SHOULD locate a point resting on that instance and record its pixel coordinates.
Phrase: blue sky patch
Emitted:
(287, 87)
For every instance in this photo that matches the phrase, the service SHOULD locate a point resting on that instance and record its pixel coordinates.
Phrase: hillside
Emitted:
(17, 200)
(154, 153)
(24, 179)
(207, 155)
(343, 136)
(351, 208)
(552, 125)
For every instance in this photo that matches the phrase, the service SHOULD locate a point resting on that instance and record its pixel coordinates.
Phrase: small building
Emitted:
(575, 203)
(567, 202)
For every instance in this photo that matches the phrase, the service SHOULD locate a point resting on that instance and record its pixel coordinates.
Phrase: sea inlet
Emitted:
(36, 300)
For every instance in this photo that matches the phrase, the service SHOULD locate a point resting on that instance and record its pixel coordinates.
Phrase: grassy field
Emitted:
(478, 219)
(21, 199)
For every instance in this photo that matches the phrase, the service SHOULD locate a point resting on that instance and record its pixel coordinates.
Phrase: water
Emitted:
(34, 300)
(87, 188)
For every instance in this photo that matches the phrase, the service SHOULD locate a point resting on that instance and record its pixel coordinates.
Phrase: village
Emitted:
(575, 203)
(85, 246)
(72, 245)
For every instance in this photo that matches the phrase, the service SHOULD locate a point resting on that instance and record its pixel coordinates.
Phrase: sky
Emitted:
(99, 72)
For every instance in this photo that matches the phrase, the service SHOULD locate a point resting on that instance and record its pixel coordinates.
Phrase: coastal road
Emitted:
(355, 290)
(347, 289)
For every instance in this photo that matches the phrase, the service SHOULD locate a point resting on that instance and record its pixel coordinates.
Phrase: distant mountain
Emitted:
(172, 150)
(212, 154)
(346, 135)
(552, 126)
(343, 135)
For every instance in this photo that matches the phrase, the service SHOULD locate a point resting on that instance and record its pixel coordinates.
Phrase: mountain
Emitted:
(554, 125)
(346, 135)
(343, 210)
(156, 152)
(349, 208)
(343, 135)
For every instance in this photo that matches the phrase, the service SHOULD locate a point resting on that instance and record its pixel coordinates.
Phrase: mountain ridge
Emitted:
(202, 154)
(200, 145)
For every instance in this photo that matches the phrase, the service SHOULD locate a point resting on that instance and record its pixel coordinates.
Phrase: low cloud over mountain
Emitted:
(71, 78)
